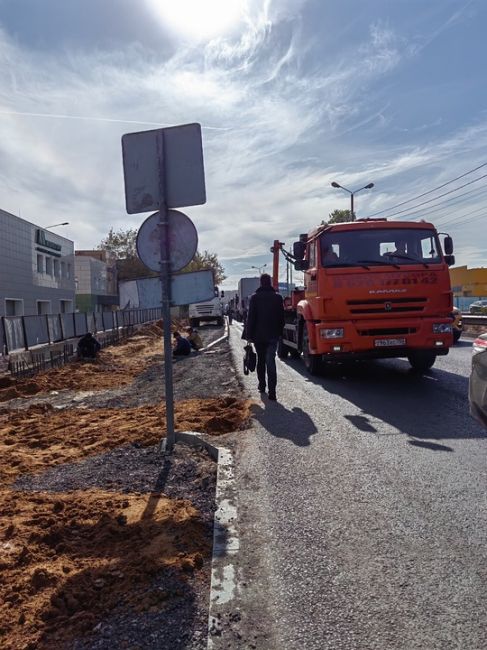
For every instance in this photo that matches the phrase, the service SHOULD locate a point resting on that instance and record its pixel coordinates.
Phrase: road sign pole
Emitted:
(165, 242)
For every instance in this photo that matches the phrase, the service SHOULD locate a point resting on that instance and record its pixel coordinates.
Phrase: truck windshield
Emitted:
(379, 247)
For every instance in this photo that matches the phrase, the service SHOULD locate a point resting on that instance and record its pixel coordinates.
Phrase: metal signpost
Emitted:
(163, 169)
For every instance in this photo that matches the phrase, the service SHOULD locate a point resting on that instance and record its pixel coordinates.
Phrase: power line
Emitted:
(393, 207)
(460, 220)
(471, 193)
(441, 195)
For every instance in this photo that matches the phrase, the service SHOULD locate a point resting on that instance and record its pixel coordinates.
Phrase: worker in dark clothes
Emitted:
(182, 347)
(265, 322)
(88, 347)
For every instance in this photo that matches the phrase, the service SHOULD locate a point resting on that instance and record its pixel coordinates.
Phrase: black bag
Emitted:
(250, 359)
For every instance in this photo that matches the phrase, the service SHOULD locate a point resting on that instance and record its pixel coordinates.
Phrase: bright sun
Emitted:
(198, 19)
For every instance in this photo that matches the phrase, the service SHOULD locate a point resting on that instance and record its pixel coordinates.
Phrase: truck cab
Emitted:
(209, 310)
(372, 289)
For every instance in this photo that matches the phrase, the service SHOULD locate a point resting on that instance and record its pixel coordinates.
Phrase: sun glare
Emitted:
(198, 19)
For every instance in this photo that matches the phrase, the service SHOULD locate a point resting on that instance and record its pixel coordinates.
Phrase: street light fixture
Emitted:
(65, 223)
(259, 268)
(352, 194)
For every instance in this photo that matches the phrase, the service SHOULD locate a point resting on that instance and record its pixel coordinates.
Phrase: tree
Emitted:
(339, 216)
(207, 260)
(122, 245)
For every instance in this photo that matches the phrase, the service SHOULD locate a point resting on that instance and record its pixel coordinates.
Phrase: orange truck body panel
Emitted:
(375, 306)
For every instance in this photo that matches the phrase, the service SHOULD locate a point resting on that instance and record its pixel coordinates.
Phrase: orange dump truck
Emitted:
(373, 288)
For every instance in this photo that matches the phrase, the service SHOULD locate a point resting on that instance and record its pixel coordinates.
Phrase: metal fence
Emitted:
(27, 332)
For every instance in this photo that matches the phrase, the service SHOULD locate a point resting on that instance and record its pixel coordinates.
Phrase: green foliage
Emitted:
(207, 260)
(121, 243)
(339, 216)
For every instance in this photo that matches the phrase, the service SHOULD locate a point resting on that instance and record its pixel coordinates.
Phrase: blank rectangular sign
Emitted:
(176, 155)
(187, 288)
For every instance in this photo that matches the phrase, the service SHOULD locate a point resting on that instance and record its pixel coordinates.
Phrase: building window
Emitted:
(66, 306)
(63, 269)
(40, 263)
(14, 307)
(56, 268)
(43, 307)
(49, 265)
(68, 271)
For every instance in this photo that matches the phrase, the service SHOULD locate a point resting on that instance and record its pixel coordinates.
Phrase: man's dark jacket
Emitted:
(265, 320)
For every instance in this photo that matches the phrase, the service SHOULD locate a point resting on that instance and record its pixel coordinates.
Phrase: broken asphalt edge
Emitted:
(223, 587)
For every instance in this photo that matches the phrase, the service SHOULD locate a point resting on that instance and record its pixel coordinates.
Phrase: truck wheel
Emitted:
(311, 361)
(282, 350)
(421, 361)
(219, 321)
(194, 322)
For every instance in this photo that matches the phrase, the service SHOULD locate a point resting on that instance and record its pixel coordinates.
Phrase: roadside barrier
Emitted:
(26, 332)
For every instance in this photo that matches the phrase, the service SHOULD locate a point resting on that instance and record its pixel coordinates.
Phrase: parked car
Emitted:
(457, 324)
(477, 389)
(478, 307)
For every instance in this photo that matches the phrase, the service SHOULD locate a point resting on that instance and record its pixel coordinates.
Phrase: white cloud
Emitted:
(277, 130)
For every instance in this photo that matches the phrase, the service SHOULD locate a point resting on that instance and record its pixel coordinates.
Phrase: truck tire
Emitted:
(194, 322)
(219, 321)
(421, 361)
(282, 350)
(311, 361)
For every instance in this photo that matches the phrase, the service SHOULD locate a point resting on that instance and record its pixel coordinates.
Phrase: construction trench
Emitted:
(106, 543)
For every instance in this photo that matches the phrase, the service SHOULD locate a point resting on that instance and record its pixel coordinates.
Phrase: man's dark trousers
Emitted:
(266, 359)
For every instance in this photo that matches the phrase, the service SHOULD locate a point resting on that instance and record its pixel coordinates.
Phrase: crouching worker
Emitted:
(182, 346)
(194, 339)
(88, 347)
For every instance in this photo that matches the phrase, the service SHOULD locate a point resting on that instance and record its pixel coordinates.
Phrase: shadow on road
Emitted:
(429, 407)
(294, 425)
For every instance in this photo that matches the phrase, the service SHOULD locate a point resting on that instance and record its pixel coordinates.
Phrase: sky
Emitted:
(291, 95)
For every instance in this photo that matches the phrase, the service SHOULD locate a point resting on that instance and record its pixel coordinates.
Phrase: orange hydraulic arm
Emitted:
(275, 250)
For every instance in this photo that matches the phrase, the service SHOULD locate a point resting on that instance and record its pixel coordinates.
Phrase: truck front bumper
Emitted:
(372, 339)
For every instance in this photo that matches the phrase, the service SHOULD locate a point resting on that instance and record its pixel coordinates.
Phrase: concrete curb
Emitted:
(224, 583)
(219, 340)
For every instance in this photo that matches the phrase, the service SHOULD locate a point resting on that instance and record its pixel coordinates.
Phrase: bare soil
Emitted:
(104, 543)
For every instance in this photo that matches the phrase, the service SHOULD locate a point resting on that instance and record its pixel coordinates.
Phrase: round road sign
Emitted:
(183, 241)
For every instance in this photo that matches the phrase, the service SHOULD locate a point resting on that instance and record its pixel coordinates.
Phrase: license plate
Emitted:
(389, 343)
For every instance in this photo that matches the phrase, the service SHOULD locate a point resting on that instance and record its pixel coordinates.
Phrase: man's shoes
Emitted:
(261, 389)
(272, 397)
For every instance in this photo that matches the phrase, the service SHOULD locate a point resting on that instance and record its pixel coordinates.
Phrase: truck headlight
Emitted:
(442, 328)
(332, 333)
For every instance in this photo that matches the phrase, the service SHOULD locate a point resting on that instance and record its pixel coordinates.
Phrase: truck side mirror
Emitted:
(448, 245)
(301, 265)
(222, 295)
(450, 259)
(299, 249)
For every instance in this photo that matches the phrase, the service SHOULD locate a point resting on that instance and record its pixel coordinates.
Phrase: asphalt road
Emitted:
(363, 510)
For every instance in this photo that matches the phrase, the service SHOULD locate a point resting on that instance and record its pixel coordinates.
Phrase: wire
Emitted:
(393, 207)
(431, 209)
(439, 197)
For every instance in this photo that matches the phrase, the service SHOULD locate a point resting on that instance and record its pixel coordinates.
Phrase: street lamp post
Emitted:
(55, 225)
(352, 194)
(259, 268)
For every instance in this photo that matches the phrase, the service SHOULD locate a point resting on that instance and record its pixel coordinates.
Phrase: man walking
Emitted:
(265, 322)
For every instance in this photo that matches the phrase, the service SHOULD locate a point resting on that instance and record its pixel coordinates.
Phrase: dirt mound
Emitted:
(40, 436)
(115, 366)
(68, 559)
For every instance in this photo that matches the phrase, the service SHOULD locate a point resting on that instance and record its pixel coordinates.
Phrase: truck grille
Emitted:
(388, 331)
(204, 309)
(386, 305)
